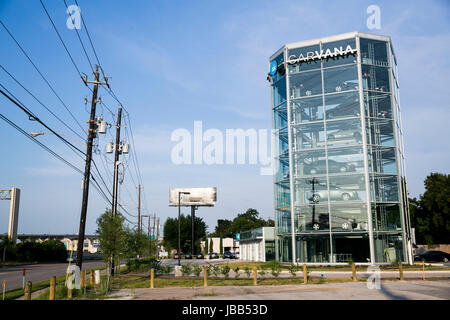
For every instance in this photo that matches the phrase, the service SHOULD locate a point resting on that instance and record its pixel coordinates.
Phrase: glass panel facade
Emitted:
(338, 120)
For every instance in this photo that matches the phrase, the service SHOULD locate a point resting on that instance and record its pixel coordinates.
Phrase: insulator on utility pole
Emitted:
(109, 147)
(125, 147)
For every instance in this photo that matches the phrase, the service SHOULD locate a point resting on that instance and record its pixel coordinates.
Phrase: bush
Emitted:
(32, 251)
(248, 271)
(293, 269)
(236, 272)
(197, 270)
(262, 271)
(186, 269)
(143, 265)
(275, 268)
(215, 269)
(226, 271)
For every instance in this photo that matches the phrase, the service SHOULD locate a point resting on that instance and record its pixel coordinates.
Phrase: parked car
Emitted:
(177, 256)
(188, 256)
(344, 110)
(433, 256)
(319, 166)
(213, 255)
(229, 255)
(345, 134)
(200, 256)
(335, 194)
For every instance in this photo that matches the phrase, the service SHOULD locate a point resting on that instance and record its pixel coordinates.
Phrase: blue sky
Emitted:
(174, 62)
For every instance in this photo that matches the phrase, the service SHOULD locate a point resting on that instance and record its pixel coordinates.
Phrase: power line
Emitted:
(42, 104)
(40, 73)
(79, 38)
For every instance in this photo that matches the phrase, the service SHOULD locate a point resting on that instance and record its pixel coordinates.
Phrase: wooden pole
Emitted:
(52, 288)
(400, 269)
(91, 278)
(82, 281)
(4, 288)
(255, 276)
(152, 278)
(423, 270)
(27, 293)
(353, 271)
(205, 277)
(305, 274)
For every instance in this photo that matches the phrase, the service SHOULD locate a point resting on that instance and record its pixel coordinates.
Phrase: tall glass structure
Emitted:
(340, 189)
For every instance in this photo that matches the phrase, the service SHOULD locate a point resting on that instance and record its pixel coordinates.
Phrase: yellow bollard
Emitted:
(423, 270)
(205, 277)
(152, 278)
(27, 293)
(51, 295)
(4, 288)
(82, 280)
(255, 276)
(353, 271)
(305, 274)
(400, 269)
(91, 279)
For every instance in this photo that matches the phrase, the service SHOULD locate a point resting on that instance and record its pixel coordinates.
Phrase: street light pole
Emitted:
(179, 225)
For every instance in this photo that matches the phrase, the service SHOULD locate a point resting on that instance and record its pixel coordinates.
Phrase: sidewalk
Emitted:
(389, 290)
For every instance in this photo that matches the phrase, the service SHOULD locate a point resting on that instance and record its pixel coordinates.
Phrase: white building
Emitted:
(258, 244)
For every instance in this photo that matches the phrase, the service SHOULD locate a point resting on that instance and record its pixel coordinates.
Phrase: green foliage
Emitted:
(211, 245)
(137, 244)
(186, 269)
(206, 248)
(111, 234)
(225, 270)
(262, 271)
(216, 270)
(33, 251)
(171, 233)
(275, 268)
(293, 269)
(197, 270)
(430, 214)
(243, 222)
(236, 272)
(143, 265)
(247, 271)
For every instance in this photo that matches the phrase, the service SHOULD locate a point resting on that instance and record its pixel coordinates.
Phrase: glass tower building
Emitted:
(340, 188)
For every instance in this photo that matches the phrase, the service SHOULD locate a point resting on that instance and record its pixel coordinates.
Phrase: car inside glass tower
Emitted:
(340, 188)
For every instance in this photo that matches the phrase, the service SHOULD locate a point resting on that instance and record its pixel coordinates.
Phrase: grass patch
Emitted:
(17, 293)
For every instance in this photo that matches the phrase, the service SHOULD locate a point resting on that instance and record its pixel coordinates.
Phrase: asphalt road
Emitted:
(38, 272)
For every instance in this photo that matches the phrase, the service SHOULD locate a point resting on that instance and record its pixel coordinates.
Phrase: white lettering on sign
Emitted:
(321, 55)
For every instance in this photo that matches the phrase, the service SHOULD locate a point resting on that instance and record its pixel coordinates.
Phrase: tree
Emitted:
(247, 221)
(211, 245)
(138, 244)
(206, 251)
(223, 229)
(171, 233)
(430, 214)
(111, 237)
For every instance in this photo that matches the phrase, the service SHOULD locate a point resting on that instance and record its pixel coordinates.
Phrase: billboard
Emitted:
(196, 197)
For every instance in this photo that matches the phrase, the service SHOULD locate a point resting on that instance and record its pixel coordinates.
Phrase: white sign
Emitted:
(323, 54)
(195, 196)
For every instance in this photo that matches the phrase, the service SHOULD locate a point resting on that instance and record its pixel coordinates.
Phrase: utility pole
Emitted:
(157, 237)
(153, 230)
(116, 161)
(139, 211)
(116, 172)
(87, 169)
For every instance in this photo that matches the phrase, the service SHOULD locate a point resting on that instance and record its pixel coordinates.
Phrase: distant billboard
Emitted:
(196, 197)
